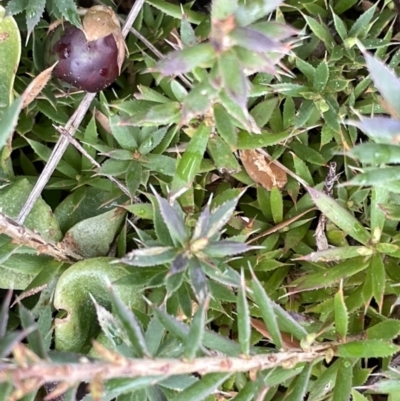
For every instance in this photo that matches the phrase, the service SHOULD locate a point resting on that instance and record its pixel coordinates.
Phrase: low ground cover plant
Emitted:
(199, 200)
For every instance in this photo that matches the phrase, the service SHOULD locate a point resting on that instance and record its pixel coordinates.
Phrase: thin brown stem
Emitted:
(23, 236)
(117, 366)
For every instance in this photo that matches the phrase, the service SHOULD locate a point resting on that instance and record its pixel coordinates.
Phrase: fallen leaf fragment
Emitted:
(261, 170)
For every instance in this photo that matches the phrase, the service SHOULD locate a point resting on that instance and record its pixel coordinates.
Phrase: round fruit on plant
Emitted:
(89, 58)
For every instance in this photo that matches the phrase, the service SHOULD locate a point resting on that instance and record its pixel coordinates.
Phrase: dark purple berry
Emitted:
(91, 66)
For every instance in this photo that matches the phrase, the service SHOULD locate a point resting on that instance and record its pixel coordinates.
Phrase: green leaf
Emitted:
(325, 382)
(378, 196)
(376, 176)
(16, 6)
(302, 170)
(4, 312)
(224, 125)
(375, 153)
(8, 121)
(114, 167)
(250, 12)
(5, 390)
(262, 112)
(154, 334)
(241, 114)
(147, 257)
(93, 237)
(203, 388)
(384, 331)
(44, 324)
(327, 278)
(276, 205)
(72, 294)
(288, 324)
(300, 384)
(341, 317)
(243, 318)
(343, 5)
(159, 163)
(186, 60)
(246, 140)
(178, 266)
(307, 153)
(173, 219)
(224, 248)
(344, 381)
(40, 219)
(340, 27)
(388, 386)
(197, 102)
(320, 30)
(358, 396)
(125, 135)
(221, 9)
(10, 53)
(307, 69)
(196, 333)
(234, 80)
(35, 340)
(366, 349)
(198, 280)
(222, 155)
(379, 274)
(8, 342)
(175, 11)
(321, 76)
(152, 140)
(133, 177)
(68, 9)
(362, 24)
(161, 114)
(383, 129)
(337, 254)
(220, 215)
(187, 33)
(289, 111)
(265, 306)
(130, 323)
(90, 138)
(33, 13)
(189, 164)
(339, 216)
(386, 82)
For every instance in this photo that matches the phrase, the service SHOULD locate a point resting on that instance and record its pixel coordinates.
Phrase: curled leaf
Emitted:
(72, 294)
(36, 86)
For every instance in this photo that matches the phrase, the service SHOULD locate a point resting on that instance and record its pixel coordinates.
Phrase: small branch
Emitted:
(121, 367)
(26, 237)
(320, 236)
(71, 127)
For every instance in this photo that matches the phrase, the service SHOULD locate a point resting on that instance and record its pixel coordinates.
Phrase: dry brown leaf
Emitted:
(101, 21)
(103, 120)
(36, 86)
(262, 171)
(287, 340)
